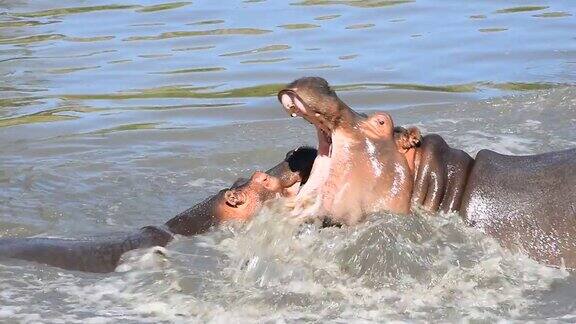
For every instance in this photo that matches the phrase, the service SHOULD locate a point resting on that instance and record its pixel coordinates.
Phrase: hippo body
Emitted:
(93, 254)
(527, 203)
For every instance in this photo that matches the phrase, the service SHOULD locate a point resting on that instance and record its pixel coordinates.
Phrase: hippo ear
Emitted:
(234, 198)
(415, 136)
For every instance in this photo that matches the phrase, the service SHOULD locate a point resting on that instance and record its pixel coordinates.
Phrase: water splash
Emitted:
(393, 267)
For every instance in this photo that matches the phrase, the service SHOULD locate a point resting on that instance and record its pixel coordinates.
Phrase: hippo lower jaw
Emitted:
(308, 198)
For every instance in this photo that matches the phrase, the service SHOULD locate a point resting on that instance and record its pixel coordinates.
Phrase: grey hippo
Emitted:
(240, 202)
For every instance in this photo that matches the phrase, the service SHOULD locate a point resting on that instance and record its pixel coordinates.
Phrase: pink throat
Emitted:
(324, 142)
(322, 165)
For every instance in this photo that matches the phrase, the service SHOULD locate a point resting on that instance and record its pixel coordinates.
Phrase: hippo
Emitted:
(527, 203)
(240, 202)
(361, 165)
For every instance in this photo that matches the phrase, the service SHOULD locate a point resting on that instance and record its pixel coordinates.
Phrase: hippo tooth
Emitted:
(293, 115)
(317, 115)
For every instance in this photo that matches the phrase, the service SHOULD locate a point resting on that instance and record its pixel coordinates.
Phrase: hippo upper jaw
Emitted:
(295, 107)
(327, 115)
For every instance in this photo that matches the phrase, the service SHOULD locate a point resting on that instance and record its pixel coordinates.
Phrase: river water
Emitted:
(116, 115)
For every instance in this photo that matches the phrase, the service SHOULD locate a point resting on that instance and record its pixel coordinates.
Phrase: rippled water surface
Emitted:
(115, 115)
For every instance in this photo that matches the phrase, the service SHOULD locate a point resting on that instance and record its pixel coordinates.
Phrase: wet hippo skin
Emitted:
(527, 203)
(103, 253)
(441, 174)
(93, 254)
(361, 165)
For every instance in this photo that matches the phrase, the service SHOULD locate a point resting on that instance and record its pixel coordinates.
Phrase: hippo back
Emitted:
(526, 202)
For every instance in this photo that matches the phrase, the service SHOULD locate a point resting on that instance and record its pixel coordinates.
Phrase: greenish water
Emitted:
(118, 115)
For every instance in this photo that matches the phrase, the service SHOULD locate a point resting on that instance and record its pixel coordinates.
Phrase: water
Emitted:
(119, 115)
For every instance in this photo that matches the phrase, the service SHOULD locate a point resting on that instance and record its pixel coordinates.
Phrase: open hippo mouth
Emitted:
(295, 106)
(358, 168)
(312, 99)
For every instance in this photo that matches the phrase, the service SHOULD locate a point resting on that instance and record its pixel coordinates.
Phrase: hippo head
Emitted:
(247, 196)
(359, 167)
(314, 100)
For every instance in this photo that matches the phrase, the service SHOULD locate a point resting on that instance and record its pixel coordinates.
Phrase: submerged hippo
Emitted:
(102, 254)
(526, 202)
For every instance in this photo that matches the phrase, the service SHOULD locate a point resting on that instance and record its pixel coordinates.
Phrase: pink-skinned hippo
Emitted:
(527, 203)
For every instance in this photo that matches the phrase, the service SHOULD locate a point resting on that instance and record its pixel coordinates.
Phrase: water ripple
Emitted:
(72, 10)
(269, 48)
(212, 32)
(353, 3)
